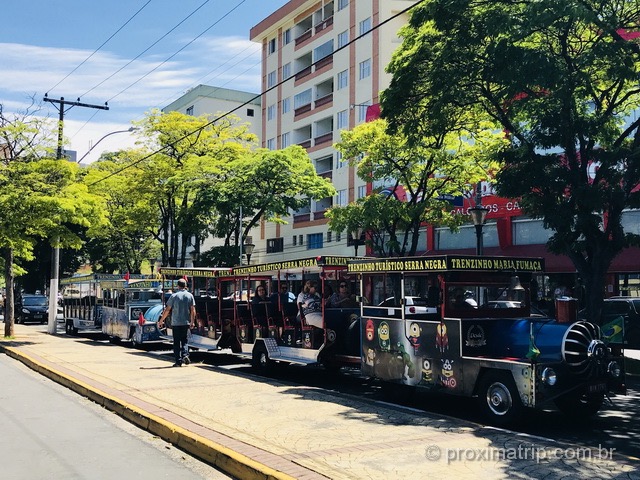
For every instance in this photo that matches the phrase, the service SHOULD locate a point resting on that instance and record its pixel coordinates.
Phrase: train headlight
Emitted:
(614, 369)
(549, 376)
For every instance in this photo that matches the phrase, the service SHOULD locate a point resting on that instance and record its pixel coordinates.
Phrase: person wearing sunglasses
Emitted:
(342, 298)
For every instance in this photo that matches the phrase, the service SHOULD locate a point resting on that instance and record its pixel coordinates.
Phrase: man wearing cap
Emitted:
(182, 307)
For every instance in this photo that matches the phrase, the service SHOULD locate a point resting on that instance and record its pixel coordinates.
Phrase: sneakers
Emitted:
(186, 360)
(177, 364)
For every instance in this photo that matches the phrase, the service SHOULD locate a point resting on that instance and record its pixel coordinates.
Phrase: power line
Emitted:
(103, 44)
(226, 114)
(148, 48)
(179, 50)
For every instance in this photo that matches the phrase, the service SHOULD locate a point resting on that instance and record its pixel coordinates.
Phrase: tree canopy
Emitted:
(561, 80)
(412, 182)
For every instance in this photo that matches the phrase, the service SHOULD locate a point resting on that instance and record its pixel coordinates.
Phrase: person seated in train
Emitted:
(342, 298)
(312, 306)
(258, 305)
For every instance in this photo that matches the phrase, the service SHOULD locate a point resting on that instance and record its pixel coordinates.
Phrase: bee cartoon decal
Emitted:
(384, 336)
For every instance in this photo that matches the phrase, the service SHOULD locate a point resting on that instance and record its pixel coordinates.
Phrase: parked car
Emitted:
(620, 312)
(32, 308)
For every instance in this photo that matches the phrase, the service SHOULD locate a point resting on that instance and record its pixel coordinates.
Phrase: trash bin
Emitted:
(566, 309)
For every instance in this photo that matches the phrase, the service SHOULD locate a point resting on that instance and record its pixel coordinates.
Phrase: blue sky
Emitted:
(43, 41)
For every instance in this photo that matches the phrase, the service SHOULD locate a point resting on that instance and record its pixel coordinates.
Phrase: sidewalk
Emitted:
(257, 428)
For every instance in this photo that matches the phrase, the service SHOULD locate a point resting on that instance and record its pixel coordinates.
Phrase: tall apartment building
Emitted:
(322, 65)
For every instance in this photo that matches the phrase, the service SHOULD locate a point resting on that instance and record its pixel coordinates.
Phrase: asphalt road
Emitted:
(49, 432)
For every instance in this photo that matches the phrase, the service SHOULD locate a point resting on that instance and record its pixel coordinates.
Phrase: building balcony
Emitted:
(305, 144)
(323, 100)
(323, 62)
(319, 215)
(305, 36)
(324, 24)
(303, 73)
(327, 137)
(328, 175)
(303, 109)
(301, 217)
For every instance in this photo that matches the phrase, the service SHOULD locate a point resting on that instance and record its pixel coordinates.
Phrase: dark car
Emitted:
(32, 308)
(622, 311)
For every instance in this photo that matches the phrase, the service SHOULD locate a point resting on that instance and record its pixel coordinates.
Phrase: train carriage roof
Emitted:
(447, 263)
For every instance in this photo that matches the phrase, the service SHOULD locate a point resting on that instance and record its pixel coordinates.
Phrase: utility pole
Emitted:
(62, 105)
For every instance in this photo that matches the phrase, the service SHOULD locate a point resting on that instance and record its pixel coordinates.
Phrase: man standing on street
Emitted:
(182, 307)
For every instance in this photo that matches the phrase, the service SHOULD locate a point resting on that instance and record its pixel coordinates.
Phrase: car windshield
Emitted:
(35, 301)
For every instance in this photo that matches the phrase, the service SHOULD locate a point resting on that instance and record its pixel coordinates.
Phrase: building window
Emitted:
(302, 99)
(340, 160)
(343, 79)
(300, 237)
(285, 140)
(529, 232)
(365, 68)
(338, 237)
(295, 240)
(190, 110)
(271, 144)
(362, 191)
(323, 51)
(271, 112)
(271, 79)
(362, 112)
(272, 46)
(314, 241)
(343, 38)
(329, 236)
(342, 120)
(342, 4)
(341, 198)
(250, 112)
(286, 105)
(365, 25)
(275, 245)
(286, 37)
(286, 71)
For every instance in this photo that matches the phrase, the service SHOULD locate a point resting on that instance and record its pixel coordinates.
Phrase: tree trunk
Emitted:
(9, 301)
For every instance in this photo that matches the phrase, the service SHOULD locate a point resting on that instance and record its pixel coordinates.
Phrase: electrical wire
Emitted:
(103, 44)
(251, 100)
(178, 51)
(146, 49)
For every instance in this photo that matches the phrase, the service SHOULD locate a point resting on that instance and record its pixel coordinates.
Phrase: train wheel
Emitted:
(578, 405)
(260, 358)
(499, 399)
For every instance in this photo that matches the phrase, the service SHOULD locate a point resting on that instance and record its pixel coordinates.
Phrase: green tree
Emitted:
(424, 171)
(561, 79)
(265, 184)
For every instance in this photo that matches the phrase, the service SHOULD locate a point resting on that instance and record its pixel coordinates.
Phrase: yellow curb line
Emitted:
(229, 461)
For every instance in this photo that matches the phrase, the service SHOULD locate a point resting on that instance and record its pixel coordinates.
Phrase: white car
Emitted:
(413, 305)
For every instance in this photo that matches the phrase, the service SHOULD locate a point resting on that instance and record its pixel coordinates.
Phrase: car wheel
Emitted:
(498, 399)
(260, 358)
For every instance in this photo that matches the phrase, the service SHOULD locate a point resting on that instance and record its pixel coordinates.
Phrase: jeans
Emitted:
(180, 348)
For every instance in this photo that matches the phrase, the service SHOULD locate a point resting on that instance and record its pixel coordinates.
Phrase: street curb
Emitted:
(227, 460)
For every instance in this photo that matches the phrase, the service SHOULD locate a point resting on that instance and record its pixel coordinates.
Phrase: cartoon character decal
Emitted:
(384, 337)
(369, 330)
(306, 340)
(409, 368)
(414, 336)
(427, 370)
(447, 378)
(442, 339)
(370, 357)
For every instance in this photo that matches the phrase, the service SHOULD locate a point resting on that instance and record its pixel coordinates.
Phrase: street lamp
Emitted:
(152, 263)
(478, 216)
(130, 129)
(194, 257)
(355, 235)
(248, 250)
